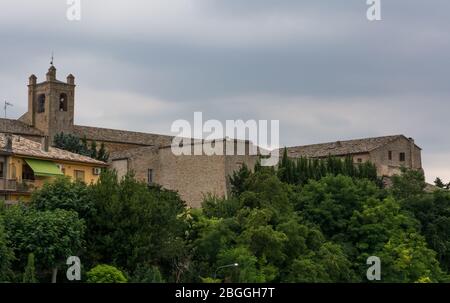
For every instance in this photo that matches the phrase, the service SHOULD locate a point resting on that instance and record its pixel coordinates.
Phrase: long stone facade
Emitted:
(388, 153)
(192, 176)
(51, 110)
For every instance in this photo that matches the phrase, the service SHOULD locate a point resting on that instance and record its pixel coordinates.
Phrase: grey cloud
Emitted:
(318, 66)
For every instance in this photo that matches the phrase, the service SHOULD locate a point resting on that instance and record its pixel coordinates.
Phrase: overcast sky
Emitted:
(320, 67)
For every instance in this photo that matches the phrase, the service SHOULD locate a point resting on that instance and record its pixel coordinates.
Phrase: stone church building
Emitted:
(51, 110)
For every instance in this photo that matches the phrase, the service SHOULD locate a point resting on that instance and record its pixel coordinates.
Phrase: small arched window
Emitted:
(63, 103)
(41, 104)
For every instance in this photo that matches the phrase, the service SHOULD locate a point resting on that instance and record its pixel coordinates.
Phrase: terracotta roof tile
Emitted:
(28, 148)
(18, 127)
(340, 148)
(121, 136)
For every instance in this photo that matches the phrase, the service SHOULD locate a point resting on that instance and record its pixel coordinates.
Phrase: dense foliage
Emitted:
(76, 145)
(276, 226)
(6, 254)
(302, 170)
(321, 232)
(51, 236)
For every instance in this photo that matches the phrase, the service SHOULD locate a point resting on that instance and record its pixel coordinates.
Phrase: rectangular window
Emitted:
(402, 157)
(150, 176)
(1, 170)
(390, 155)
(359, 160)
(79, 175)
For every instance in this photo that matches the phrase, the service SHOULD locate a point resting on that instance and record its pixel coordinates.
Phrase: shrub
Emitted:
(105, 274)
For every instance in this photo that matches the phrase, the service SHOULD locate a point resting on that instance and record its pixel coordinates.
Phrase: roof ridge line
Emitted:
(343, 141)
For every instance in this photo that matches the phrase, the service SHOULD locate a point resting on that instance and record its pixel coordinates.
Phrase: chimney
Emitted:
(8, 142)
(339, 144)
(45, 143)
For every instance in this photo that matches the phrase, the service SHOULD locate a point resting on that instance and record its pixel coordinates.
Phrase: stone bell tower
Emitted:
(51, 104)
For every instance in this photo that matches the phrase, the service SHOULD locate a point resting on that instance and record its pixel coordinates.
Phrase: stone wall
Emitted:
(192, 177)
(387, 167)
(112, 147)
(52, 120)
(139, 160)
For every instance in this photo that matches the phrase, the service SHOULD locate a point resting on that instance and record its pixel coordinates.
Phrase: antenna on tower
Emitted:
(6, 106)
(51, 62)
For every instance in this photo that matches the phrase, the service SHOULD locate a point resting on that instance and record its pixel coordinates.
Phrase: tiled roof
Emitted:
(121, 136)
(340, 148)
(129, 153)
(28, 148)
(18, 127)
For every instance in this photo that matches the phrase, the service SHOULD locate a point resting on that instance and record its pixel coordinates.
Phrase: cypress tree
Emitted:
(30, 272)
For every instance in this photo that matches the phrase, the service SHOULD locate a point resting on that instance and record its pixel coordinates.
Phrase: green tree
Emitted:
(6, 255)
(261, 238)
(62, 193)
(409, 184)
(30, 271)
(247, 271)
(307, 270)
(406, 258)
(238, 179)
(265, 190)
(84, 146)
(433, 212)
(69, 142)
(102, 154)
(51, 235)
(147, 274)
(261, 231)
(438, 182)
(372, 227)
(331, 201)
(135, 224)
(105, 274)
(213, 206)
(76, 145)
(93, 150)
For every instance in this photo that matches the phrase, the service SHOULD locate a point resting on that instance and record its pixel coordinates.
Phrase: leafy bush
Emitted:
(105, 274)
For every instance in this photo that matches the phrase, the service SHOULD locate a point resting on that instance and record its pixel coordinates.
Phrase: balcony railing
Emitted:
(8, 184)
(13, 185)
